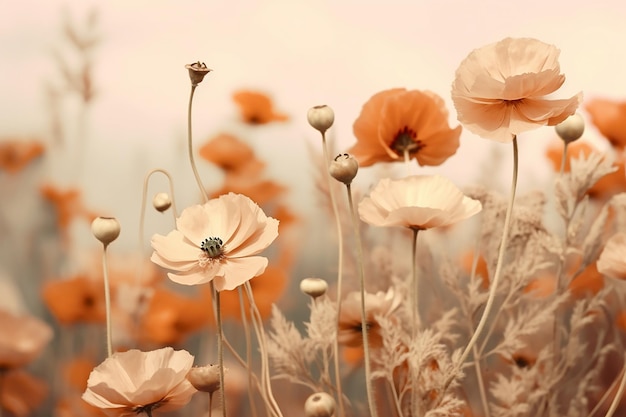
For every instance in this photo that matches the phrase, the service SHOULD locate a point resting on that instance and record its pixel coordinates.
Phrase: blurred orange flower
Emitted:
(21, 393)
(607, 186)
(23, 339)
(588, 282)
(500, 90)
(256, 107)
(15, 155)
(68, 205)
(610, 118)
(482, 270)
(171, 317)
(258, 190)
(75, 300)
(232, 155)
(396, 121)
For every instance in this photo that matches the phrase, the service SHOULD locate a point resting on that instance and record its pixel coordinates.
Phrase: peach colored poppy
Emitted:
(349, 331)
(171, 317)
(500, 90)
(23, 339)
(417, 202)
(232, 155)
(68, 205)
(21, 393)
(396, 121)
(257, 108)
(15, 155)
(610, 118)
(133, 382)
(75, 300)
(217, 241)
(612, 261)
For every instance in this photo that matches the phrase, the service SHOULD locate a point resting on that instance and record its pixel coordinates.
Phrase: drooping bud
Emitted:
(319, 404)
(321, 117)
(314, 287)
(205, 378)
(571, 128)
(105, 229)
(161, 202)
(344, 168)
(197, 71)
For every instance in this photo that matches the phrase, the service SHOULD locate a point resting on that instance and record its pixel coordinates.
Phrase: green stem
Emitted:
(203, 192)
(364, 325)
(333, 202)
(220, 345)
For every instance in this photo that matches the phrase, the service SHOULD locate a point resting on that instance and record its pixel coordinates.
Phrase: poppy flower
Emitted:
(68, 205)
(588, 281)
(75, 300)
(232, 155)
(349, 332)
(612, 261)
(610, 118)
(133, 382)
(500, 90)
(417, 202)
(259, 190)
(394, 122)
(21, 393)
(217, 241)
(15, 155)
(171, 317)
(24, 337)
(257, 108)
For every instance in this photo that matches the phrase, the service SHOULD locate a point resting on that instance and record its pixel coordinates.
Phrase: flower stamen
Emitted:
(213, 247)
(406, 141)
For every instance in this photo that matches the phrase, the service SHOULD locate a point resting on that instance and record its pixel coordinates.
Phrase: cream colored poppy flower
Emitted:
(612, 261)
(133, 382)
(417, 202)
(216, 242)
(500, 90)
(23, 338)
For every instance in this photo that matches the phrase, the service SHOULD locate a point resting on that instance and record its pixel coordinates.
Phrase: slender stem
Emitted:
(333, 202)
(203, 192)
(415, 315)
(407, 161)
(2, 372)
(220, 345)
(396, 399)
(618, 394)
(563, 158)
(210, 403)
(246, 330)
(107, 300)
(364, 325)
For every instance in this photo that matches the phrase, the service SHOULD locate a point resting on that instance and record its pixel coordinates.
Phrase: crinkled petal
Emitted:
(175, 250)
(238, 271)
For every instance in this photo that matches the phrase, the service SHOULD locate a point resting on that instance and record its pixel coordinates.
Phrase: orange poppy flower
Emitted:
(396, 121)
(231, 155)
(75, 375)
(257, 108)
(554, 152)
(21, 393)
(15, 155)
(482, 270)
(589, 281)
(67, 204)
(171, 317)
(610, 119)
(75, 300)
(259, 191)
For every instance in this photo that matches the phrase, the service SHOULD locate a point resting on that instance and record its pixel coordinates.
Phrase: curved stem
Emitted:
(333, 202)
(107, 301)
(203, 192)
(364, 325)
(220, 345)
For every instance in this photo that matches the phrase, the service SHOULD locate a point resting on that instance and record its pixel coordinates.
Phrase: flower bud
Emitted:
(321, 117)
(319, 404)
(161, 202)
(105, 229)
(571, 128)
(313, 287)
(205, 378)
(197, 71)
(344, 168)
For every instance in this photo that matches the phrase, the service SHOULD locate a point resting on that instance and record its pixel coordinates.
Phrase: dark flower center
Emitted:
(213, 247)
(406, 141)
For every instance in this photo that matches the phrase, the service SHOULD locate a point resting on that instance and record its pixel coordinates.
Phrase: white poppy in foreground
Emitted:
(417, 202)
(216, 242)
(612, 261)
(133, 382)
